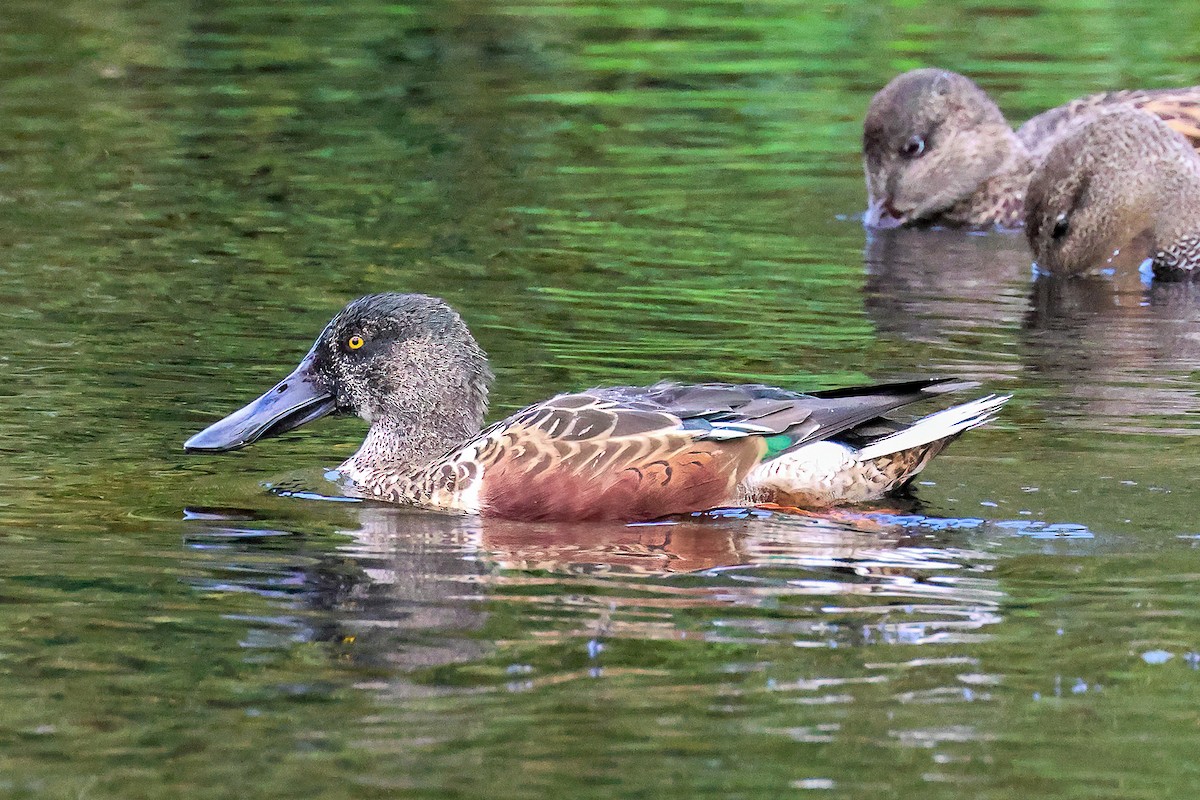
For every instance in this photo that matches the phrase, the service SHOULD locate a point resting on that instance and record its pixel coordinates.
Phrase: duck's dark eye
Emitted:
(913, 148)
(1061, 226)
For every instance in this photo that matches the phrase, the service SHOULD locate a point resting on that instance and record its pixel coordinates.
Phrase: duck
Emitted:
(409, 367)
(937, 150)
(1119, 190)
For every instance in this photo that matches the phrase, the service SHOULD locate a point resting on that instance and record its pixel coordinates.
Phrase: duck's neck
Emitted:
(403, 448)
(1000, 198)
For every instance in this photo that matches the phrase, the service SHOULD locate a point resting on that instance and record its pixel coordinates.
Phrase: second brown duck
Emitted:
(938, 151)
(1120, 190)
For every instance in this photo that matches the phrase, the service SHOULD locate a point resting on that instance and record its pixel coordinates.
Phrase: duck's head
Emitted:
(930, 139)
(396, 360)
(1110, 193)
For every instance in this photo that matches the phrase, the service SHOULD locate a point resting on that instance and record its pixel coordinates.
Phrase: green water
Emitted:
(610, 193)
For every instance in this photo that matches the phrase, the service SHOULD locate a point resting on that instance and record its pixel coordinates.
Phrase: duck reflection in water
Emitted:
(1115, 352)
(954, 291)
(411, 590)
(1106, 352)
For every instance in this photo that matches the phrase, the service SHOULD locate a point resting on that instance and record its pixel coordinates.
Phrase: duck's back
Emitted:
(1179, 108)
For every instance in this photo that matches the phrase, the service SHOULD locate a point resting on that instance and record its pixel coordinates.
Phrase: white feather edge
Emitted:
(938, 425)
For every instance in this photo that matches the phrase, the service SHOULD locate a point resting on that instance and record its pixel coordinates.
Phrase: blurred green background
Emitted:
(609, 193)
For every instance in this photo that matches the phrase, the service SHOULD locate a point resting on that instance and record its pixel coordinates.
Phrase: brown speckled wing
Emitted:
(584, 457)
(1179, 108)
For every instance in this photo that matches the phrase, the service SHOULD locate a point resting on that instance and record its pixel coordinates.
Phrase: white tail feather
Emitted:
(939, 425)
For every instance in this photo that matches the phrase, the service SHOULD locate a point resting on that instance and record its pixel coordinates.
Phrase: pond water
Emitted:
(610, 192)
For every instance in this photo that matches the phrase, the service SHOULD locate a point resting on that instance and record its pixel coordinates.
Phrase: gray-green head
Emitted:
(405, 361)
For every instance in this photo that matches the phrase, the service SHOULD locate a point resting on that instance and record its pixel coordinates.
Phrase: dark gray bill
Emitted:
(294, 401)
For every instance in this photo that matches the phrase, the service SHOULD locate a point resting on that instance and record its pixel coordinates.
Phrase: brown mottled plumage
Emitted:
(408, 365)
(938, 151)
(1119, 188)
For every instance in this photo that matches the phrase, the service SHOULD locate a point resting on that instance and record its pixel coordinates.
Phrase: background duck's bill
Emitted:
(294, 401)
(880, 216)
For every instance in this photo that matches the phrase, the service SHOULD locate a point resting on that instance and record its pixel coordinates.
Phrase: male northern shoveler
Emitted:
(1121, 189)
(407, 364)
(938, 151)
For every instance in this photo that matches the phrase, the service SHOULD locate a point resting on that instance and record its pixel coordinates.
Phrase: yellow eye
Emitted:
(355, 342)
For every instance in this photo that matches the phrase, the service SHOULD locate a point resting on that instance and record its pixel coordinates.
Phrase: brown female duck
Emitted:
(1119, 189)
(407, 364)
(938, 151)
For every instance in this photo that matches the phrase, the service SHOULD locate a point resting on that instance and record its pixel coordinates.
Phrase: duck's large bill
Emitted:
(294, 401)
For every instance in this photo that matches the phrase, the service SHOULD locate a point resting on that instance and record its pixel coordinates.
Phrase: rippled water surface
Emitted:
(610, 193)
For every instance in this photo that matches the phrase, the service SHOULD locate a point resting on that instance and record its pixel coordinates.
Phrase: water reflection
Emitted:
(1114, 353)
(409, 588)
(960, 293)
(735, 623)
(1104, 352)
(400, 595)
